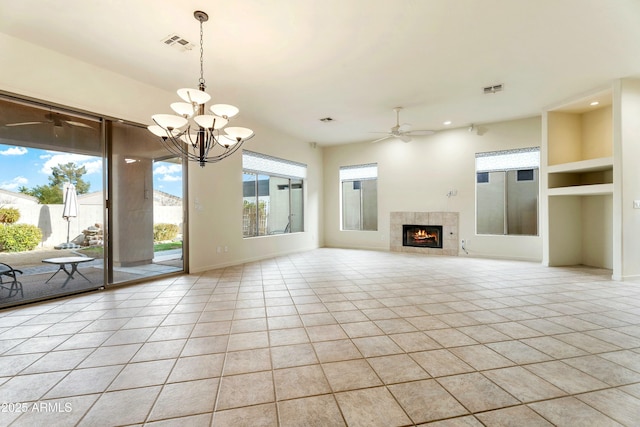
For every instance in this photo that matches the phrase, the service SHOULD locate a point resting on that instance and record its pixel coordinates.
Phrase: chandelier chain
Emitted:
(201, 55)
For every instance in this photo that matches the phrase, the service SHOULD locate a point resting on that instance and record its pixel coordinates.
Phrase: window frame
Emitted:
(507, 162)
(358, 173)
(262, 165)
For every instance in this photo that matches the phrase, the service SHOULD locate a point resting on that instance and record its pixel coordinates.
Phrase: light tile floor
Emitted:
(332, 337)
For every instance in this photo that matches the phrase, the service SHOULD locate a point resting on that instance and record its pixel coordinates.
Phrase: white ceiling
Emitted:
(288, 63)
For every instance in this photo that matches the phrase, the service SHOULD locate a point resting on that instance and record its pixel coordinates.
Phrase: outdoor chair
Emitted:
(6, 271)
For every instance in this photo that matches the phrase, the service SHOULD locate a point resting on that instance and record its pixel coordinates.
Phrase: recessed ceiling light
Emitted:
(447, 123)
(594, 103)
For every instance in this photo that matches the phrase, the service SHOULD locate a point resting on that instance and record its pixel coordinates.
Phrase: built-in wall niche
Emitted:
(580, 131)
(581, 230)
(580, 179)
(580, 146)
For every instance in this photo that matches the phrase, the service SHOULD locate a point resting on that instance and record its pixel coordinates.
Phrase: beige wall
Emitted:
(627, 149)
(417, 176)
(215, 206)
(597, 231)
(33, 71)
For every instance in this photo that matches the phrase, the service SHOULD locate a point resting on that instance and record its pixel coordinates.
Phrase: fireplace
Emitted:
(422, 236)
(448, 241)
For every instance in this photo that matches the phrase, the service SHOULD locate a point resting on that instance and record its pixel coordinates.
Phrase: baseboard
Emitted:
(248, 260)
(499, 257)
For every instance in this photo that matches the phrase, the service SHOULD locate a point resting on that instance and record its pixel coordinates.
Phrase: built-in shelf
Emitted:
(581, 173)
(582, 190)
(592, 165)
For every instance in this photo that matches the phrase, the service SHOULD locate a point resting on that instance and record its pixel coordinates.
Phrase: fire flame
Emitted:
(423, 235)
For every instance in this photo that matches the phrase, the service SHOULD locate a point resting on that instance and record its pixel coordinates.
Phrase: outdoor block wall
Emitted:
(54, 228)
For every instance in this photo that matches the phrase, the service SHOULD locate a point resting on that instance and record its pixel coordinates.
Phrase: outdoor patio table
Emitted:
(61, 262)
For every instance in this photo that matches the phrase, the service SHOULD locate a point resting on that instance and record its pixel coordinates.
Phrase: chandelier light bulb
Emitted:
(208, 121)
(227, 141)
(239, 133)
(157, 131)
(184, 109)
(169, 121)
(224, 110)
(194, 96)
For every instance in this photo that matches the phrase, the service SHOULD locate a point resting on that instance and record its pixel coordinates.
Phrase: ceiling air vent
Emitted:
(178, 42)
(492, 89)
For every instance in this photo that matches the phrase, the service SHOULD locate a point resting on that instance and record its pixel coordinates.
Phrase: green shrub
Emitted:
(162, 232)
(9, 215)
(19, 237)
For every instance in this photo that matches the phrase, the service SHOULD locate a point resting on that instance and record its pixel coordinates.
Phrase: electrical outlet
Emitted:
(636, 204)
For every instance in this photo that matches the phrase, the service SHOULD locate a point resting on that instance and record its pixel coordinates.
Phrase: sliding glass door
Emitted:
(51, 204)
(85, 202)
(146, 207)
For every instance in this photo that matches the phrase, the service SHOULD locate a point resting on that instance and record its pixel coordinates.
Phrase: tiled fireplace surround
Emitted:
(448, 220)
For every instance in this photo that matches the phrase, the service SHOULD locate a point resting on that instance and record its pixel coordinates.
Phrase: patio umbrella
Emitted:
(70, 207)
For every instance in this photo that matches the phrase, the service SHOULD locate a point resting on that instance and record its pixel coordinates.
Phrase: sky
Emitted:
(29, 167)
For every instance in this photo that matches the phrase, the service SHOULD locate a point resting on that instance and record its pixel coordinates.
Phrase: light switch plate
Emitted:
(636, 204)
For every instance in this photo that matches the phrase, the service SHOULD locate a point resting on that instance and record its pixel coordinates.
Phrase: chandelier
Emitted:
(202, 141)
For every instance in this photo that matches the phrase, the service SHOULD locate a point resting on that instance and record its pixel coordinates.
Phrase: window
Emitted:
(507, 192)
(272, 194)
(482, 177)
(526, 175)
(359, 187)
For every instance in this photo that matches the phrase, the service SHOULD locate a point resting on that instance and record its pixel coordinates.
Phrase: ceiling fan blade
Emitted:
(72, 123)
(420, 132)
(401, 131)
(405, 127)
(381, 139)
(24, 124)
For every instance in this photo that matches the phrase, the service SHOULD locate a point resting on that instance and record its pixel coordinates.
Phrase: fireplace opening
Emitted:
(422, 236)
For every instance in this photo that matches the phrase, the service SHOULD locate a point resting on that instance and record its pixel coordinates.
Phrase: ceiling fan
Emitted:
(57, 119)
(402, 132)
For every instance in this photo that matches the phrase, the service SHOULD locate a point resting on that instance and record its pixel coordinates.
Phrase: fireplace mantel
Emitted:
(448, 221)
